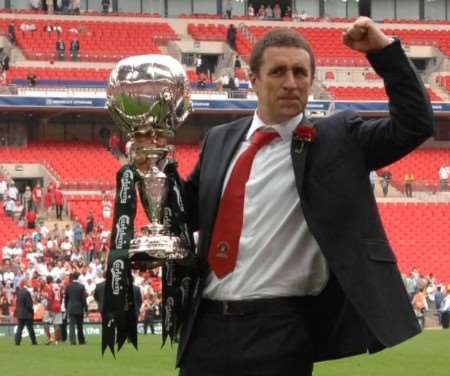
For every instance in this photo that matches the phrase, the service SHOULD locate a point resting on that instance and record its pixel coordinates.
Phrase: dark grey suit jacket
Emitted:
(364, 306)
(75, 298)
(24, 304)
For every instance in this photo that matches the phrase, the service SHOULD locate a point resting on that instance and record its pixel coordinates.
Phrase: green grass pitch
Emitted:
(425, 355)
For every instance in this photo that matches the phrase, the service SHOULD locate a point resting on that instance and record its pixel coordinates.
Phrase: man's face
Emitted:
(283, 83)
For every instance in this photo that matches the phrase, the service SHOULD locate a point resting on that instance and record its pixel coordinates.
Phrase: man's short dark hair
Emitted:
(49, 279)
(280, 37)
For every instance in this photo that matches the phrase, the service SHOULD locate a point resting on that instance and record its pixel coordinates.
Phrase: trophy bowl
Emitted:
(148, 98)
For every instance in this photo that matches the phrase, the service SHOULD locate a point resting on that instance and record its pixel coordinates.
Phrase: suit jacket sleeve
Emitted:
(83, 299)
(29, 303)
(66, 297)
(411, 116)
(191, 190)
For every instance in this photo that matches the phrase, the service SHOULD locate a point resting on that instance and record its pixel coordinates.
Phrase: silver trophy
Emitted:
(148, 97)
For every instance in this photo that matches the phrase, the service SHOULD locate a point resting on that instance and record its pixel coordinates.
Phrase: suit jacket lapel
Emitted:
(231, 142)
(227, 147)
(299, 151)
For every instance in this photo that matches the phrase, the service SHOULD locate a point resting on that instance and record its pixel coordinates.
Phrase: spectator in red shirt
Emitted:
(31, 218)
(37, 196)
(114, 145)
(47, 202)
(87, 246)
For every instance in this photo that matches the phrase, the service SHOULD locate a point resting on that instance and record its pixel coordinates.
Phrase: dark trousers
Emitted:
(408, 190)
(64, 328)
(29, 324)
(149, 323)
(59, 209)
(256, 344)
(445, 319)
(76, 320)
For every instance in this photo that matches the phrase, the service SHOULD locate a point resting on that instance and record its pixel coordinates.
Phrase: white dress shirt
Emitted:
(278, 255)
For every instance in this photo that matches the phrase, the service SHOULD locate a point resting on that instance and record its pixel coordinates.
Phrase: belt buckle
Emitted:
(226, 309)
(230, 309)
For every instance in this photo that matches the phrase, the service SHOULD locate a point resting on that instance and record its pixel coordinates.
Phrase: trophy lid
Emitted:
(148, 93)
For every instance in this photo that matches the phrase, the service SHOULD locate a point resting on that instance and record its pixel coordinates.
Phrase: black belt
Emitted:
(245, 307)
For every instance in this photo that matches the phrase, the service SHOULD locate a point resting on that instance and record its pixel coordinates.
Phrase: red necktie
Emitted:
(224, 246)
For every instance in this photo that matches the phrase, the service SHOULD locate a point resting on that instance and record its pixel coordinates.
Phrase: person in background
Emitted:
(8, 206)
(385, 181)
(228, 8)
(420, 306)
(3, 187)
(12, 32)
(76, 306)
(444, 173)
(114, 145)
(250, 10)
(37, 195)
(152, 313)
(231, 36)
(13, 192)
(445, 310)
(277, 12)
(31, 217)
(409, 180)
(60, 49)
(31, 79)
(105, 6)
(74, 49)
(373, 179)
(59, 202)
(24, 312)
(5, 304)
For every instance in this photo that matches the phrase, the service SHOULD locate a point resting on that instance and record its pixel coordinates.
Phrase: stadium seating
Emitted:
(99, 40)
(83, 166)
(419, 234)
(366, 93)
(423, 163)
(329, 51)
(99, 75)
(186, 156)
(444, 81)
(94, 170)
(8, 231)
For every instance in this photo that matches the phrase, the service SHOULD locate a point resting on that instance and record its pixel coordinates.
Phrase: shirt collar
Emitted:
(284, 129)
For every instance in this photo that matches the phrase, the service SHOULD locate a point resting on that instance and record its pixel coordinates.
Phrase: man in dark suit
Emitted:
(300, 270)
(76, 306)
(24, 313)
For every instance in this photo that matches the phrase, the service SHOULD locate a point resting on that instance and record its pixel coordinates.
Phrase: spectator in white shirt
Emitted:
(3, 188)
(13, 192)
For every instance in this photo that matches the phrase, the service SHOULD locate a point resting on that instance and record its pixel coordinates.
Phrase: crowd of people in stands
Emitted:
(57, 252)
(428, 295)
(25, 207)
